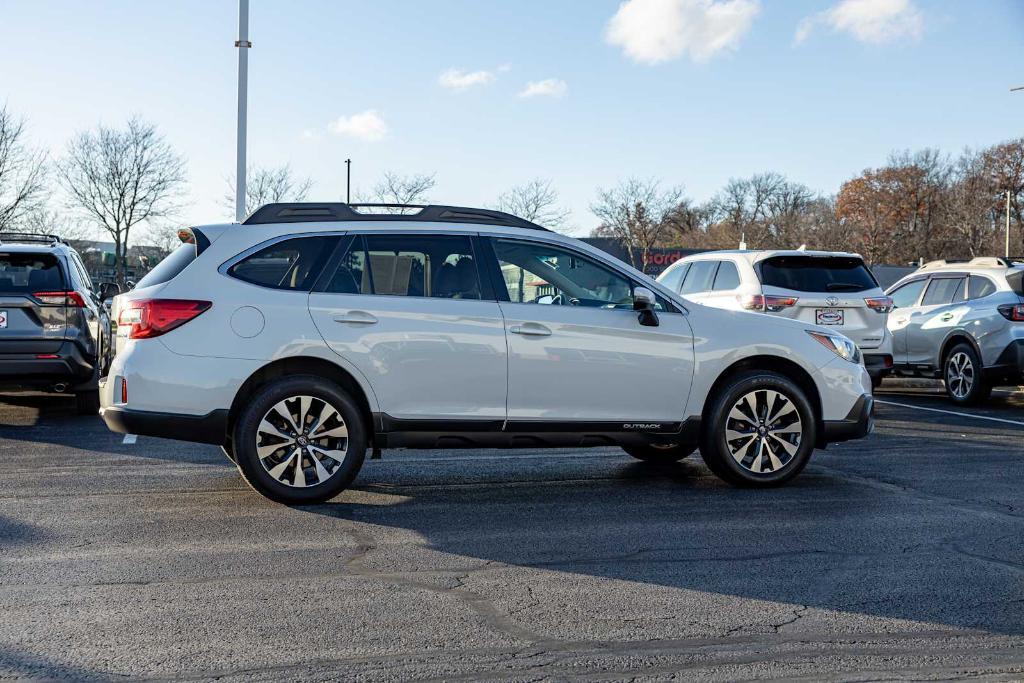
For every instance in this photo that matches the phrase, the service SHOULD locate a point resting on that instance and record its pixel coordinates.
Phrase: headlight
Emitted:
(837, 344)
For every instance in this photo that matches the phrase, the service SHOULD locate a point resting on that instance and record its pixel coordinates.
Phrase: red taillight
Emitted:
(60, 298)
(774, 304)
(1014, 312)
(882, 304)
(47, 356)
(150, 318)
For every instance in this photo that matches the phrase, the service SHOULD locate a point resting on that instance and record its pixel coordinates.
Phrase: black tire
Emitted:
(716, 451)
(87, 402)
(654, 452)
(963, 376)
(252, 467)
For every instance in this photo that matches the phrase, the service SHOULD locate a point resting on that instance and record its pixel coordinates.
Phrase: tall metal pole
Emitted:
(1007, 254)
(243, 46)
(348, 181)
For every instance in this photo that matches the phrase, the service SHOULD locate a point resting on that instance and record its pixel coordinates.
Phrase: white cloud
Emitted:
(655, 31)
(869, 21)
(457, 79)
(367, 125)
(549, 87)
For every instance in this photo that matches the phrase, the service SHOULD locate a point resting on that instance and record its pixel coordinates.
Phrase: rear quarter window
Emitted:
(816, 273)
(292, 264)
(24, 273)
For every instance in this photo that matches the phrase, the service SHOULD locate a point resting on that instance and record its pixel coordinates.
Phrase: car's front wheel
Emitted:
(660, 452)
(300, 440)
(962, 372)
(759, 431)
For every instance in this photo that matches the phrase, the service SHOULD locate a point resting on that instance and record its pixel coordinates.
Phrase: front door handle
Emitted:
(530, 330)
(358, 317)
(946, 317)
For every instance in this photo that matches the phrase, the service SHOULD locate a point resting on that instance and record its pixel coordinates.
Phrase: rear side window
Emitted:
(28, 273)
(944, 290)
(292, 264)
(979, 286)
(907, 295)
(817, 273)
(700, 277)
(437, 266)
(674, 276)
(1016, 281)
(727, 277)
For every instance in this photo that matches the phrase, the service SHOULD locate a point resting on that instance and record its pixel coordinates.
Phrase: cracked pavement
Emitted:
(893, 558)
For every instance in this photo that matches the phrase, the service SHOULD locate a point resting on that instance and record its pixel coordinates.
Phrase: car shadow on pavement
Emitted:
(19, 666)
(827, 543)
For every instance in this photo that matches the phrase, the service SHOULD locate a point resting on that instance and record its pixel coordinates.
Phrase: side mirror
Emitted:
(644, 301)
(109, 290)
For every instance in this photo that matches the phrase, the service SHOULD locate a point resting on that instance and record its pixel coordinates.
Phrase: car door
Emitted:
(410, 312)
(931, 322)
(905, 300)
(577, 351)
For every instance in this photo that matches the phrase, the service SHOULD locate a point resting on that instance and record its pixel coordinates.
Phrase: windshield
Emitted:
(170, 266)
(817, 273)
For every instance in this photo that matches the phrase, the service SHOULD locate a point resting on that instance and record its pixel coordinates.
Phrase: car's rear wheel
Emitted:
(759, 431)
(300, 440)
(660, 452)
(962, 372)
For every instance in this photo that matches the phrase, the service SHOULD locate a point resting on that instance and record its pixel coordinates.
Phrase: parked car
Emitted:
(54, 330)
(962, 322)
(831, 289)
(312, 332)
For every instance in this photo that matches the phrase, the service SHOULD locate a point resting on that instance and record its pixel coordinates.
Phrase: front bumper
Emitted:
(67, 364)
(209, 428)
(858, 424)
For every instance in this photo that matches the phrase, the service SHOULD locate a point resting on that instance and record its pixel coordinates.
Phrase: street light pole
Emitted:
(243, 46)
(1007, 254)
(348, 181)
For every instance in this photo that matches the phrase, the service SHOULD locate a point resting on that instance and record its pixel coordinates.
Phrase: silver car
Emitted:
(963, 322)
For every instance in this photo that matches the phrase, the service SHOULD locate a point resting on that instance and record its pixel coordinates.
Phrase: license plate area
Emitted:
(829, 316)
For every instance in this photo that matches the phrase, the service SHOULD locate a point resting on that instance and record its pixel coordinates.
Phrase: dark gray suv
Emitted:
(55, 332)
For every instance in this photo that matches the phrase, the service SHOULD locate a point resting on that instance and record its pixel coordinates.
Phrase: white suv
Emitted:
(832, 289)
(312, 332)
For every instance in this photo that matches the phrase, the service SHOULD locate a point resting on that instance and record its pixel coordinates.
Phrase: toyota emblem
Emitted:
(832, 301)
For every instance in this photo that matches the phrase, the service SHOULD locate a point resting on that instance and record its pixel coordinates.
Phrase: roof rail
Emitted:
(310, 212)
(938, 263)
(29, 237)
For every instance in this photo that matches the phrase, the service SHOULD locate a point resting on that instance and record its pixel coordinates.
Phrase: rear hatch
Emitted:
(28, 324)
(832, 291)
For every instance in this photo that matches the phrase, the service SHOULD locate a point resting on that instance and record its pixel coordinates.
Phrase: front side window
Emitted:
(943, 290)
(292, 264)
(908, 294)
(700, 278)
(435, 266)
(546, 274)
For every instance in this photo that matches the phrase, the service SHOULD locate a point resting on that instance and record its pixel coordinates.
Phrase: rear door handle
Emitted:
(358, 317)
(530, 330)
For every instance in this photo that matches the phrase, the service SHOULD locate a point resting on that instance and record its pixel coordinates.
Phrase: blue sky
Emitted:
(690, 91)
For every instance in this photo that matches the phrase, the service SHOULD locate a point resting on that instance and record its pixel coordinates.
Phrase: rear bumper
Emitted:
(878, 364)
(1011, 360)
(67, 364)
(858, 424)
(209, 428)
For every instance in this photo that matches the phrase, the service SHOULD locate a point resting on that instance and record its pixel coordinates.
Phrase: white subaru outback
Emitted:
(313, 332)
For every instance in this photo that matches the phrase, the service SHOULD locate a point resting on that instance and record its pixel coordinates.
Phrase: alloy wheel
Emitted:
(960, 374)
(763, 431)
(302, 441)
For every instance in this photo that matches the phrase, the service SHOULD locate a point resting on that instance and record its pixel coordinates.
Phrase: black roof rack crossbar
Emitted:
(309, 212)
(29, 237)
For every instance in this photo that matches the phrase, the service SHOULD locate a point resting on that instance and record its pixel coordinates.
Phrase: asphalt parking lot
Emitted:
(900, 556)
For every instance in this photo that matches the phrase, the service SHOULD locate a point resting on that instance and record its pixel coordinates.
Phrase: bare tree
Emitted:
(536, 201)
(22, 173)
(401, 189)
(266, 186)
(639, 214)
(118, 178)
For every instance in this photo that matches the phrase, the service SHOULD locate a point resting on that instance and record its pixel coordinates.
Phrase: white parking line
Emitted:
(951, 412)
(129, 438)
